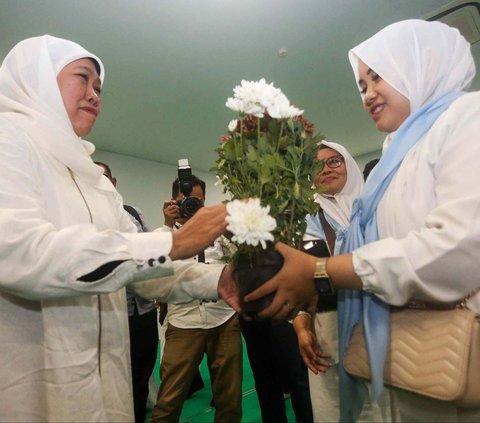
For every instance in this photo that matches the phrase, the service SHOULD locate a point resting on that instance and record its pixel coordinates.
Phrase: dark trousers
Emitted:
(277, 368)
(183, 352)
(143, 354)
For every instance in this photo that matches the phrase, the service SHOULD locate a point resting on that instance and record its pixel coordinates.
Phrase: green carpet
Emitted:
(197, 409)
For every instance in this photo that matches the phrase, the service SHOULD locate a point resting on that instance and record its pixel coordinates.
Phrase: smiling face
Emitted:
(80, 87)
(331, 180)
(386, 106)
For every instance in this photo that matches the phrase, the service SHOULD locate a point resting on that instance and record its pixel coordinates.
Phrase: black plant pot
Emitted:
(252, 272)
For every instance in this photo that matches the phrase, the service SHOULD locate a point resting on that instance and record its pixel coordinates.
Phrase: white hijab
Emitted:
(31, 100)
(421, 60)
(339, 206)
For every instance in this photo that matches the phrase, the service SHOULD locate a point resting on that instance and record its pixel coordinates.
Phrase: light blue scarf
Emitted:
(357, 305)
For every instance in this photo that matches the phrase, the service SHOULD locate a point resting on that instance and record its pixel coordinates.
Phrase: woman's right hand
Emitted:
(293, 284)
(199, 232)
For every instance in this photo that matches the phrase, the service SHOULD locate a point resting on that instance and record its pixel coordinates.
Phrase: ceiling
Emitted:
(171, 64)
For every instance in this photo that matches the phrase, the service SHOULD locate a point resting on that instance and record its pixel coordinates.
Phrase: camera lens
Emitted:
(190, 206)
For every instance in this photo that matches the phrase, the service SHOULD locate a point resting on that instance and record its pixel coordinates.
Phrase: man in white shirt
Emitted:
(198, 328)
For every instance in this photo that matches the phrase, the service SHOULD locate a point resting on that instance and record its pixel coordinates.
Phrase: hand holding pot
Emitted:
(293, 284)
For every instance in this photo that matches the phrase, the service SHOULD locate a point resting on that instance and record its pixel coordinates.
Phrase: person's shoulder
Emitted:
(469, 100)
(455, 125)
(136, 216)
(9, 131)
(465, 110)
(139, 210)
(14, 141)
(133, 209)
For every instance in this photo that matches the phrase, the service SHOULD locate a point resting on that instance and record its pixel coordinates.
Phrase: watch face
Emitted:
(324, 287)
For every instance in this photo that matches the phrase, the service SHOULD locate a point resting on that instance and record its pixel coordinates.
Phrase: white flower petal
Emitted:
(255, 97)
(250, 223)
(232, 126)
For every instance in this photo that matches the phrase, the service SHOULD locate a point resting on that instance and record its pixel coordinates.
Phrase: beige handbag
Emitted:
(435, 353)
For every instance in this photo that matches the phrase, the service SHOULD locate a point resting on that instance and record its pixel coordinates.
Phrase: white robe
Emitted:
(65, 350)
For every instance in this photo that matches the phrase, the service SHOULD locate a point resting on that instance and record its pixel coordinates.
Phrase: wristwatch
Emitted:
(323, 285)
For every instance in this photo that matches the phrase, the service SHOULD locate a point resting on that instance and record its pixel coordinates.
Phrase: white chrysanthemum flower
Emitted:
(250, 223)
(282, 109)
(254, 97)
(245, 107)
(234, 104)
(257, 92)
(254, 109)
(257, 97)
(232, 125)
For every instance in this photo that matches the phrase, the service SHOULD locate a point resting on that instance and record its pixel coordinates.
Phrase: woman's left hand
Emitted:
(293, 285)
(311, 353)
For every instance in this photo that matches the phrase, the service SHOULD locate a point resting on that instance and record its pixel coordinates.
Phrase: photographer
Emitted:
(198, 328)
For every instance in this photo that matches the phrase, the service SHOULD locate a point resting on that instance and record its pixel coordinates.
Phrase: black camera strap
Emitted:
(329, 232)
(327, 303)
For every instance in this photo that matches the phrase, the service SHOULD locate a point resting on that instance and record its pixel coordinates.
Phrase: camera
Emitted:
(189, 205)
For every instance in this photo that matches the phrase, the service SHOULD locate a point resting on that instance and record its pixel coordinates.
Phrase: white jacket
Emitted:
(429, 217)
(64, 343)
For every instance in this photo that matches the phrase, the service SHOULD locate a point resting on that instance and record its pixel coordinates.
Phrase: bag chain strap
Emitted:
(425, 305)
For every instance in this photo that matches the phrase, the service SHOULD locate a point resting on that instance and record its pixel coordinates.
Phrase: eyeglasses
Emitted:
(334, 161)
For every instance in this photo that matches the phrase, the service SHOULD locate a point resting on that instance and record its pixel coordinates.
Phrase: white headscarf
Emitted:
(31, 100)
(421, 60)
(339, 206)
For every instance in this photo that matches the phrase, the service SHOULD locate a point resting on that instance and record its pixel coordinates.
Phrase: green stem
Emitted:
(258, 130)
(240, 160)
(259, 184)
(241, 136)
(290, 226)
(280, 135)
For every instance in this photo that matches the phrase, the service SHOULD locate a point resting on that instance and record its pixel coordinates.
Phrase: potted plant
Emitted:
(269, 157)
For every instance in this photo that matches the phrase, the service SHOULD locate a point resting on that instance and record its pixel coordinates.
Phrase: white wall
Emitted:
(147, 184)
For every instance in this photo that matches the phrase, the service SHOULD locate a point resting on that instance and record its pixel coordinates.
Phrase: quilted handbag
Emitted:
(435, 353)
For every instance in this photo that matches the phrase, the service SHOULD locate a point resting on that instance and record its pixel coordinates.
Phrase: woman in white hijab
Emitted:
(418, 215)
(342, 182)
(67, 247)
(341, 187)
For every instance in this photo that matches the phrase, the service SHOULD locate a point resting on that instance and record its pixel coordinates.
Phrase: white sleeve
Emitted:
(164, 228)
(40, 259)
(190, 281)
(440, 261)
